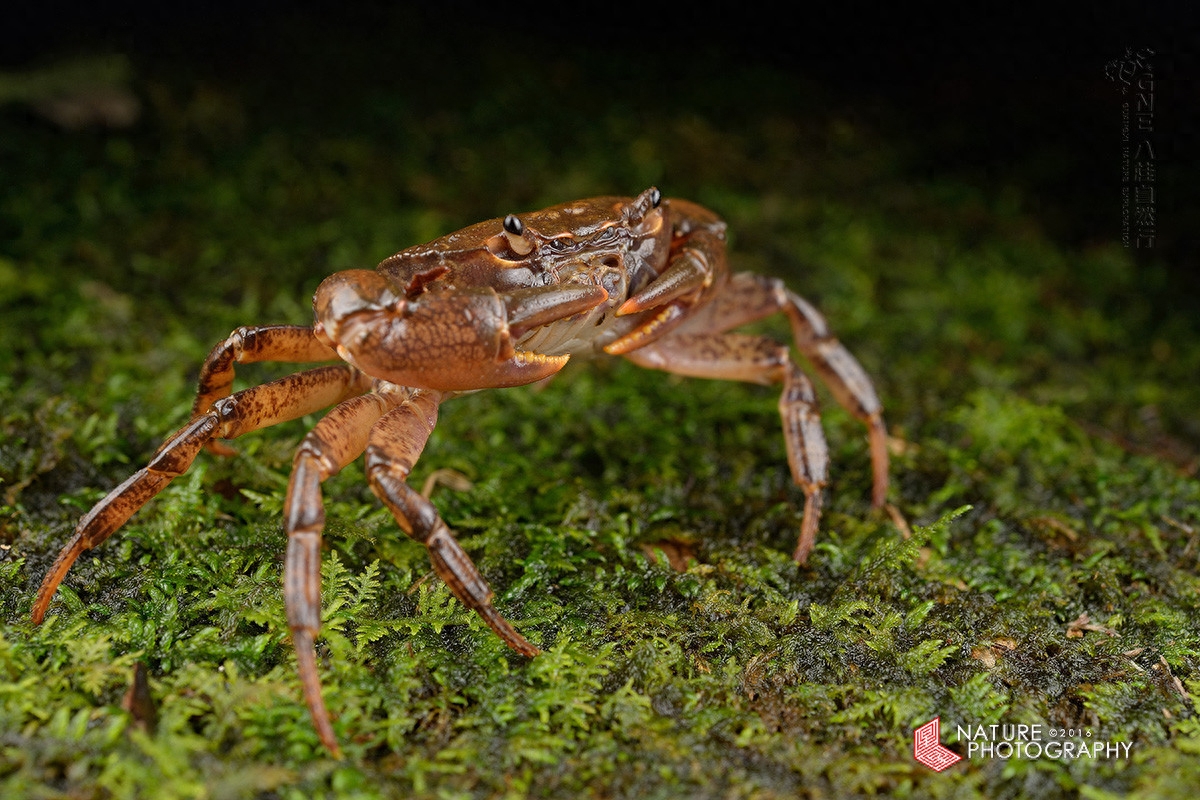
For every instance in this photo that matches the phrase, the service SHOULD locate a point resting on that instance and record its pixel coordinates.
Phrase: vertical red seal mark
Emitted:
(928, 749)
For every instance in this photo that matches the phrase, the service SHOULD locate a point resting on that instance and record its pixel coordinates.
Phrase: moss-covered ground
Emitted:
(1041, 393)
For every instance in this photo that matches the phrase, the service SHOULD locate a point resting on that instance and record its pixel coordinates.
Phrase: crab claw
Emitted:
(689, 272)
(444, 340)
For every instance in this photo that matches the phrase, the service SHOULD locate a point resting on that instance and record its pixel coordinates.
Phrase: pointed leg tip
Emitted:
(328, 739)
(41, 604)
(507, 633)
(330, 745)
(54, 577)
(306, 664)
(521, 645)
(529, 652)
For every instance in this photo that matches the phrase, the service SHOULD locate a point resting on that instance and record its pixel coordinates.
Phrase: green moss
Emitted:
(1026, 383)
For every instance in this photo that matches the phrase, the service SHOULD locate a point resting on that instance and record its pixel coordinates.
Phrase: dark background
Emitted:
(1000, 97)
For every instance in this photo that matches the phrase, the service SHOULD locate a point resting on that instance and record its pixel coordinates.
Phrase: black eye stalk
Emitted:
(655, 196)
(514, 232)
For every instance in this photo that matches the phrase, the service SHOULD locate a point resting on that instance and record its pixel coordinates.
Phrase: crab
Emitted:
(501, 303)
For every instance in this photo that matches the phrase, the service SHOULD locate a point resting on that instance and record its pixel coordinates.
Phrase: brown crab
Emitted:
(501, 303)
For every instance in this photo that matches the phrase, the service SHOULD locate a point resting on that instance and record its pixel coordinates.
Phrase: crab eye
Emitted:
(655, 196)
(512, 240)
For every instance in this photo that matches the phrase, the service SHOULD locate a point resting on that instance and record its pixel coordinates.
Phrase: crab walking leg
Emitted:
(396, 443)
(336, 440)
(248, 345)
(749, 297)
(759, 359)
(251, 409)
